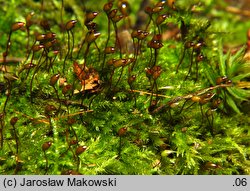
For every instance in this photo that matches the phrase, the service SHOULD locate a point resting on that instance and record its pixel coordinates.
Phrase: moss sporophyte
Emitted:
(123, 87)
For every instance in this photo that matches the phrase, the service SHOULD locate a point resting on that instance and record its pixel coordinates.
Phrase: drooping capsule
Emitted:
(109, 50)
(155, 44)
(122, 131)
(111, 61)
(70, 25)
(54, 79)
(13, 120)
(50, 36)
(205, 98)
(28, 66)
(148, 10)
(221, 80)
(117, 18)
(66, 89)
(91, 26)
(200, 57)
(112, 13)
(46, 145)
(73, 142)
(131, 79)
(198, 45)
(135, 33)
(17, 26)
(142, 35)
(189, 44)
(124, 7)
(120, 62)
(80, 149)
(161, 3)
(45, 24)
(171, 4)
(157, 9)
(71, 121)
(156, 72)
(29, 22)
(49, 109)
(161, 18)
(52, 53)
(210, 165)
(107, 7)
(40, 37)
(92, 36)
(149, 72)
(49, 44)
(36, 48)
(90, 16)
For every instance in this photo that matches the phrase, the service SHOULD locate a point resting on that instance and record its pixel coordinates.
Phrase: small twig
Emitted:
(11, 60)
(148, 93)
(58, 118)
(236, 10)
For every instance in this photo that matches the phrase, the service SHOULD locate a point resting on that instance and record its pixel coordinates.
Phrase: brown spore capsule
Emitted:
(90, 16)
(50, 36)
(45, 24)
(54, 79)
(124, 7)
(221, 80)
(46, 145)
(66, 88)
(36, 48)
(112, 13)
(155, 44)
(120, 62)
(29, 22)
(135, 33)
(122, 131)
(13, 120)
(157, 9)
(29, 65)
(161, 3)
(91, 25)
(109, 50)
(17, 26)
(117, 18)
(148, 10)
(156, 72)
(131, 79)
(40, 37)
(80, 149)
(111, 61)
(49, 108)
(199, 58)
(142, 35)
(161, 18)
(71, 121)
(70, 25)
(73, 142)
(92, 36)
(107, 7)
